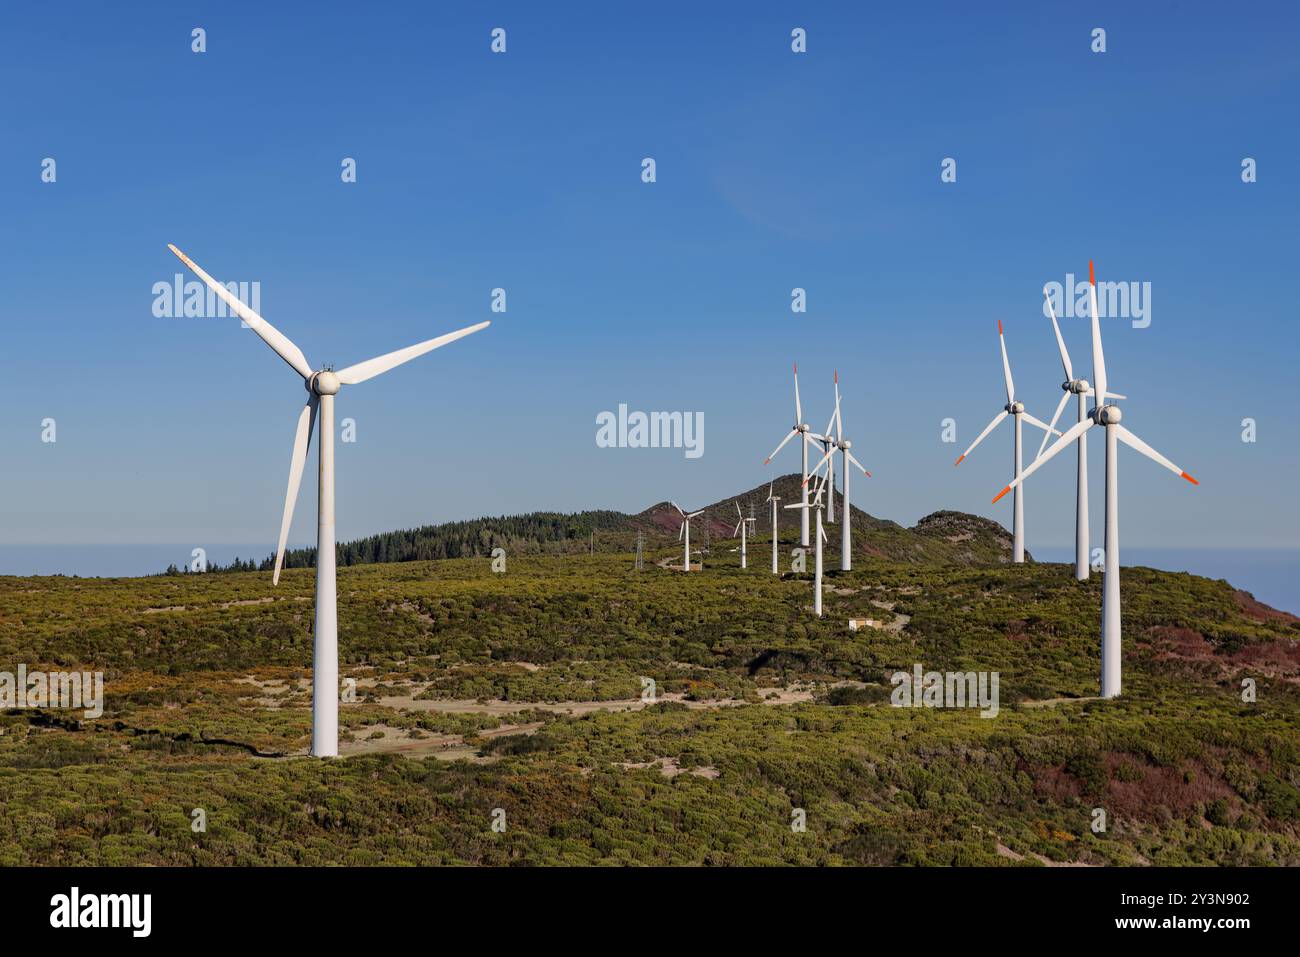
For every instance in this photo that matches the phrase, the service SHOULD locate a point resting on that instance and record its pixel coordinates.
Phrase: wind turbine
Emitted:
(773, 499)
(1108, 416)
(843, 445)
(806, 435)
(821, 537)
(1016, 409)
(1082, 389)
(322, 385)
(685, 531)
(741, 527)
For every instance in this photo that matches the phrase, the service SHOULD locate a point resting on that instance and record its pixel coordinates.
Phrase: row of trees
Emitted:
(534, 532)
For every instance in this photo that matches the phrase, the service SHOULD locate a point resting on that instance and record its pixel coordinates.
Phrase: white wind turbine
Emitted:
(773, 499)
(806, 435)
(821, 537)
(322, 385)
(1108, 416)
(843, 446)
(742, 528)
(1082, 389)
(1016, 409)
(685, 532)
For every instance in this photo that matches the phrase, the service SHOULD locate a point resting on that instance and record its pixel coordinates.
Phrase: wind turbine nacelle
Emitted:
(802, 427)
(1109, 415)
(845, 444)
(1015, 408)
(1078, 386)
(325, 383)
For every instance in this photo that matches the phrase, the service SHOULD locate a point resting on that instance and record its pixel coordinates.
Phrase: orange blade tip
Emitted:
(1092, 276)
(1000, 494)
(999, 327)
(1190, 479)
(959, 458)
(765, 461)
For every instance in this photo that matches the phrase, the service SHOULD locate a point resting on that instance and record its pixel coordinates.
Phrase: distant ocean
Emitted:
(116, 561)
(1272, 575)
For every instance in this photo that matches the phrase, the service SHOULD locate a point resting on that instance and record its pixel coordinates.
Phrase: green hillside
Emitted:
(521, 691)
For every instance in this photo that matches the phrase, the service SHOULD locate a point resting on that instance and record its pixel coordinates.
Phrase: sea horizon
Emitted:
(1272, 575)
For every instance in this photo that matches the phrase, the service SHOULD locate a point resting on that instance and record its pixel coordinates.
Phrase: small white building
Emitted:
(857, 624)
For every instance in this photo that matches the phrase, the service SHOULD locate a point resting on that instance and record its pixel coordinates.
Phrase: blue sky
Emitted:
(522, 171)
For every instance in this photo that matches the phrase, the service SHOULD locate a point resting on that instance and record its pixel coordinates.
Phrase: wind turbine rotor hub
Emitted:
(1015, 408)
(325, 383)
(845, 444)
(1109, 415)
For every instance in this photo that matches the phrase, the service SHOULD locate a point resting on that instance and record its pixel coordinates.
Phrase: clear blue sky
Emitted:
(522, 171)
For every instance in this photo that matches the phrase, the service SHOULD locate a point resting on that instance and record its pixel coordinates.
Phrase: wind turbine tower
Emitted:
(775, 558)
(821, 537)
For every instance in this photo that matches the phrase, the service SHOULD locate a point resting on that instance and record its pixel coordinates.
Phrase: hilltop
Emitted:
(943, 536)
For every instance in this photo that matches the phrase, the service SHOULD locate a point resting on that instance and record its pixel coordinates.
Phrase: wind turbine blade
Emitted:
(380, 364)
(1098, 357)
(1070, 435)
(678, 507)
(1006, 366)
(301, 442)
(1115, 395)
(1060, 407)
(835, 414)
(987, 429)
(798, 409)
(1048, 429)
(736, 531)
(1133, 442)
(680, 529)
(769, 490)
(788, 436)
(815, 468)
(858, 464)
(693, 514)
(1060, 343)
(272, 336)
(839, 419)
